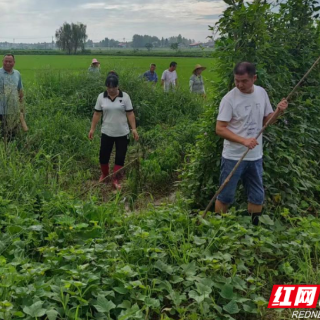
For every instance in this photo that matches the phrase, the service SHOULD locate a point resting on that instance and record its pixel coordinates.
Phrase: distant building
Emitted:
(196, 45)
(209, 44)
(122, 45)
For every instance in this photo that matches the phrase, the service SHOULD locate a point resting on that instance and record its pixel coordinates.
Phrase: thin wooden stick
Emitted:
(275, 115)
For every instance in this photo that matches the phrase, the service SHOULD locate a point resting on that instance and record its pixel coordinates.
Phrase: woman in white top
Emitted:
(116, 110)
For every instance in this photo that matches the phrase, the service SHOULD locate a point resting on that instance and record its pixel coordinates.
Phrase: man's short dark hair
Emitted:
(9, 55)
(173, 64)
(243, 68)
(152, 65)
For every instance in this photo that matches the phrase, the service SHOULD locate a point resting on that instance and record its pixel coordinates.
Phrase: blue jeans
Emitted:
(250, 173)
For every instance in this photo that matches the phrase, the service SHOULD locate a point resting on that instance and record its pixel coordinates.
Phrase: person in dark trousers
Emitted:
(242, 114)
(116, 110)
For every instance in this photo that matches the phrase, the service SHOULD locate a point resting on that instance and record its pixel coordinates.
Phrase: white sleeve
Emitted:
(163, 77)
(225, 110)
(128, 103)
(267, 108)
(98, 106)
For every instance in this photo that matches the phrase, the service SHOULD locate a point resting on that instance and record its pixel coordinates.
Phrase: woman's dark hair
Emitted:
(243, 68)
(112, 81)
(112, 73)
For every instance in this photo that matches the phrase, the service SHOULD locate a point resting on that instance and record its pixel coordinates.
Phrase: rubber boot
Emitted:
(104, 172)
(116, 179)
(255, 218)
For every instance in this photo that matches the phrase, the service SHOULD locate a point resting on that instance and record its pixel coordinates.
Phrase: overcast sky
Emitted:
(37, 20)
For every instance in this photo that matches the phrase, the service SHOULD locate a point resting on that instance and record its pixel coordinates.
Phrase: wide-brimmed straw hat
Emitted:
(95, 61)
(199, 66)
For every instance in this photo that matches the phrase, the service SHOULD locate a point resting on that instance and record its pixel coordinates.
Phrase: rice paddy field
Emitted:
(30, 66)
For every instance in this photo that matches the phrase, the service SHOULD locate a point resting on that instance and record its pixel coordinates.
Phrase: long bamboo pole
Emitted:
(275, 115)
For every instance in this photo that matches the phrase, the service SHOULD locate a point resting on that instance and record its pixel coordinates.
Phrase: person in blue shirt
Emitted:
(11, 99)
(151, 75)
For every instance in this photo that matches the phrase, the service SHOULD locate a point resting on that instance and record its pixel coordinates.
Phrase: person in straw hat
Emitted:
(196, 83)
(94, 67)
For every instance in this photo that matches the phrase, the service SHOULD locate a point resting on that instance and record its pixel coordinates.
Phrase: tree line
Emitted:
(71, 37)
(140, 41)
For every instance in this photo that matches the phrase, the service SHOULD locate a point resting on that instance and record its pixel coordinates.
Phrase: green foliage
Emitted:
(283, 44)
(56, 154)
(140, 41)
(71, 37)
(78, 260)
(174, 46)
(66, 258)
(149, 46)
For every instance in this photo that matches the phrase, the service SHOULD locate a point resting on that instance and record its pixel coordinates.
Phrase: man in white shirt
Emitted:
(169, 79)
(242, 113)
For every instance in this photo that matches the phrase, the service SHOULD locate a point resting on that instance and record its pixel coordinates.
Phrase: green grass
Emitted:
(29, 66)
(67, 259)
(69, 255)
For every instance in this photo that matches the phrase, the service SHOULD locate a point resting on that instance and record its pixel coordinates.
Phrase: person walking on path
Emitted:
(169, 79)
(242, 113)
(11, 99)
(196, 83)
(116, 110)
(94, 67)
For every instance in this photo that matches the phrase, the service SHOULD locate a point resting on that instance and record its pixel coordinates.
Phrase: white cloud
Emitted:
(38, 19)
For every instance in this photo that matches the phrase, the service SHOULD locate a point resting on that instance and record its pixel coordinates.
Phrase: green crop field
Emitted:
(30, 66)
(74, 249)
